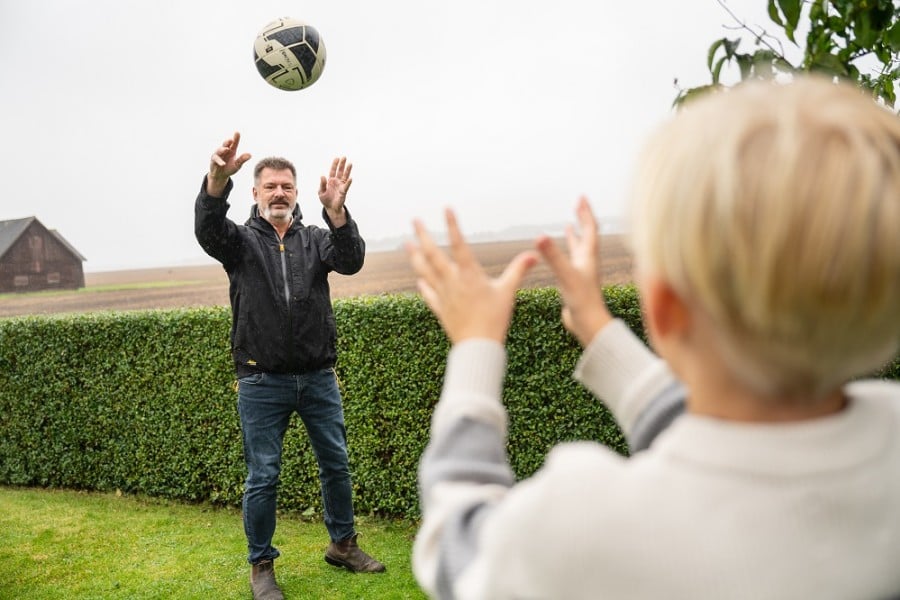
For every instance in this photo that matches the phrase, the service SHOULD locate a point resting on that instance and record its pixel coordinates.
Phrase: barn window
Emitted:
(53, 278)
(20, 280)
(37, 253)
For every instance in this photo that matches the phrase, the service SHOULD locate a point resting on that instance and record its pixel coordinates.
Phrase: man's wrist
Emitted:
(337, 218)
(216, 187)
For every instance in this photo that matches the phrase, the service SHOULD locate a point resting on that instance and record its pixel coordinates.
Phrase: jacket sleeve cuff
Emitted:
(331, 226)
(204, 196)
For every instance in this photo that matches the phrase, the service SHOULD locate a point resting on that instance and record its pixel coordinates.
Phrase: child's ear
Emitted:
(666, 313)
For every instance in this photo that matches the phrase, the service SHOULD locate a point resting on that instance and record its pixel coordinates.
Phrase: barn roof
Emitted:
(11, 230)
(66, 243)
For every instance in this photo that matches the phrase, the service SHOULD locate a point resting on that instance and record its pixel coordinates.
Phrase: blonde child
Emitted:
(766, 232)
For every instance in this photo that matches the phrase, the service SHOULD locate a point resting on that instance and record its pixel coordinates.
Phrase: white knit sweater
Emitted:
(713, 509)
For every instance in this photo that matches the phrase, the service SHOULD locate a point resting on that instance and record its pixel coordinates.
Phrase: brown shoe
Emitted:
(262, 581)
(348, 555)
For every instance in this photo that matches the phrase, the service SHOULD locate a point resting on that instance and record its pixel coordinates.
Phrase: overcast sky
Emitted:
(506, 110)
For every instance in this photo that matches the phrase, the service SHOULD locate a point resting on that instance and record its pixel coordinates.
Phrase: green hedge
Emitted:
(144, 402)
(391, 361)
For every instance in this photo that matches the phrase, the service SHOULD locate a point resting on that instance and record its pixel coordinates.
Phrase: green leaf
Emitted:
(815, 10)
(791, 11)
(865, 36)
(745, 63)
(712, 52)
(892, 37)
(843, 7)
(883, 15)
(838, 26)
(731, 47)
(717, 69)
(789, 32)
(773, 13)
(784, 66)
(762, 62)
(829, 63)
(887, 92)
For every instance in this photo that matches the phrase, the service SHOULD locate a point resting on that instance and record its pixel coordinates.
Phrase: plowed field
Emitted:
(173, 287)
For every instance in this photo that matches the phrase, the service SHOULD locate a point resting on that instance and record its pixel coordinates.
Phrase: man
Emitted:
(283, 341)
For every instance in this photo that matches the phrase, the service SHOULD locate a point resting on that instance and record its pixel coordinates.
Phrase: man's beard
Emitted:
(277, 213)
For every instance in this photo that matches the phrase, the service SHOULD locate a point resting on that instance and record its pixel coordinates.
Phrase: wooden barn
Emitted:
(34, 258)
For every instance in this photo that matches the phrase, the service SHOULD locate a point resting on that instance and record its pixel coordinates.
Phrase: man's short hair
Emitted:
(276, 163)
(774, 209)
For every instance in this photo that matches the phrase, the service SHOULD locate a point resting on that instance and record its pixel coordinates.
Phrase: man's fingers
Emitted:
(228, 149)
(232, 142)
(240, 160)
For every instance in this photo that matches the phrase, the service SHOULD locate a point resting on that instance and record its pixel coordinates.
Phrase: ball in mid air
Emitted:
(289, 54)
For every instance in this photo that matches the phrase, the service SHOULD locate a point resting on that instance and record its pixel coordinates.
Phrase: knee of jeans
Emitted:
(263, 473)
(334, 470)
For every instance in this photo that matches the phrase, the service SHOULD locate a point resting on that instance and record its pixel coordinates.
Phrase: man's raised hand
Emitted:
(224, 163)
(333, 190)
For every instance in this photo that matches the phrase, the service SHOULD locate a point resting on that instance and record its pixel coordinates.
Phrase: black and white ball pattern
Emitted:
(289, 54)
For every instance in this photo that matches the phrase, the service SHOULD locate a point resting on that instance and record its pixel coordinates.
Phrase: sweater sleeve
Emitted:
(635, 384)
(464, 469)
(464, 475)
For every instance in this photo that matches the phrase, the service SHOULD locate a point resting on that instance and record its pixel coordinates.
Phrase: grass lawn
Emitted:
(57, 544)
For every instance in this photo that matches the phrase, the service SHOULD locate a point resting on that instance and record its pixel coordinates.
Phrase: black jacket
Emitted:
(282, 321)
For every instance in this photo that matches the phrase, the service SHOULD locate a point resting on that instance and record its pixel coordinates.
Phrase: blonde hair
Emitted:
(774, 209)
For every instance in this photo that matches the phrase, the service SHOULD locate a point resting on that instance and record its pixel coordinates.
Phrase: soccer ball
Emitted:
(289, 54)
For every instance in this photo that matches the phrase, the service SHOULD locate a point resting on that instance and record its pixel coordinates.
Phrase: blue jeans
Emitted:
(266, 402)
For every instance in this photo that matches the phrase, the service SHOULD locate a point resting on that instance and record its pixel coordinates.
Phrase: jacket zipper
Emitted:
(287, 289)
(287, 297)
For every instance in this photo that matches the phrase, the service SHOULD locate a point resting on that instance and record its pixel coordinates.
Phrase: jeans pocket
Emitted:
(252, 379)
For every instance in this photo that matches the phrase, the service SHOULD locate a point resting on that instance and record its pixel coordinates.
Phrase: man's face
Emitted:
(275, 193)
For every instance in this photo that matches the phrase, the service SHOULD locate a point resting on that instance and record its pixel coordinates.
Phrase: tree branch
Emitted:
(760, 37)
